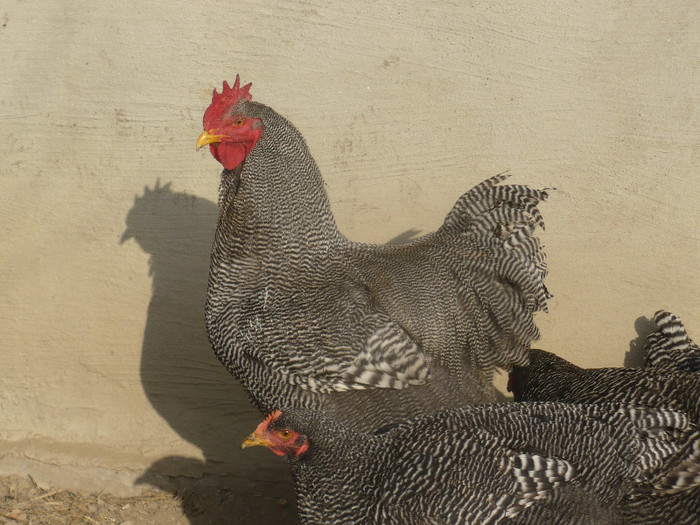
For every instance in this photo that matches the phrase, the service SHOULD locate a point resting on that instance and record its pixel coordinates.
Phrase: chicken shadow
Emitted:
(636, 355)
(187, 385)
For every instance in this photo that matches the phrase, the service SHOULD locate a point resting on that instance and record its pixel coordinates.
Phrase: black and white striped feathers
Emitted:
(670, 347)
(370, 334)
(548, 377)
(674, 493)
(514, 463)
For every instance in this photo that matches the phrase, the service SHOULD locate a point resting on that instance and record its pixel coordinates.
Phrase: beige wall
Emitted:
(405, 105)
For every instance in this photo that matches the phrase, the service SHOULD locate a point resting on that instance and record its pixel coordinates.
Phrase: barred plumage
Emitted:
(677, 478)
(548, 377)
(670, 347)
(513, 463)
(303, 316)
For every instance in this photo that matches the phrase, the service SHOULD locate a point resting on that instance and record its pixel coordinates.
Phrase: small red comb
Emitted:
(273, 416)
(230, 96)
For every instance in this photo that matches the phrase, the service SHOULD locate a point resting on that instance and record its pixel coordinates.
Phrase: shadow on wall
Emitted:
(636, 355)
(185, 382)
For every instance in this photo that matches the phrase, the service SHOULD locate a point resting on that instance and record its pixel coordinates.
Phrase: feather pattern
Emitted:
(670, 347)
(673, 471)
(548, 377)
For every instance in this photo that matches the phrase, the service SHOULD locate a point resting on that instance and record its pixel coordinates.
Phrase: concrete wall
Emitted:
(107, 211)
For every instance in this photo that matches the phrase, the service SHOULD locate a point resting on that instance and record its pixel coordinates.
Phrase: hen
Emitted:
(551, 378)
(548, 377)
(515, 463)
(372, 335)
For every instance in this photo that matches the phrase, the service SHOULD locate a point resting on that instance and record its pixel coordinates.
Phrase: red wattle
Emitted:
(230, 155)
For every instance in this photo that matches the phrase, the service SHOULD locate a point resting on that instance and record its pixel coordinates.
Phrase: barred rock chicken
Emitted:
(550, 378)
(670, 347)
(302, 316)
(514, 463)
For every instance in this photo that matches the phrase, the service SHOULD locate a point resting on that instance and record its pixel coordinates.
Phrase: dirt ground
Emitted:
(23, 501)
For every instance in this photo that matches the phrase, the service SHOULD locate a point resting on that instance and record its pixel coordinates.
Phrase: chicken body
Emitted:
(548, 377)
(669, 379)
(514, 463)
(551, 378)
(372, 335)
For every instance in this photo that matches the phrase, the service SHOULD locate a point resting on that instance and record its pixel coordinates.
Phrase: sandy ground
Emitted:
(24, 501)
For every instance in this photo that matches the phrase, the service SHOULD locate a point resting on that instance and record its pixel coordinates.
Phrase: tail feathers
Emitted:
(518, 258)
(504, 281)
(524, 244)
(670, 347)
(488, 196)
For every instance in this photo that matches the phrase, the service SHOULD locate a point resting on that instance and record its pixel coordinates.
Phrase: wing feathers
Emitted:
(390, 359)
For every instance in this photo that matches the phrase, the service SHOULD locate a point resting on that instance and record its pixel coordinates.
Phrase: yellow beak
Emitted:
(208, 137)
(254, 441)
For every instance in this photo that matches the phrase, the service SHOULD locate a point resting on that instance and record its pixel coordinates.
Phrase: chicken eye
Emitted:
(284, 434)
(238, 122)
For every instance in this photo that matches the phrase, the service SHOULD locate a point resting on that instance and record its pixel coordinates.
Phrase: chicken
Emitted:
(548, 377)
(372, 335)
(551, 378)
(670, 347)
(513, 463)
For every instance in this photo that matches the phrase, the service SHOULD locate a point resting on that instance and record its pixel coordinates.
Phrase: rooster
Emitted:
(372, 335)
(513, 463)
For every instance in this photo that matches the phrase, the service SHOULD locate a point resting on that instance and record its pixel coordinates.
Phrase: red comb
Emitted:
(230, 96)
(262, 427)
(273, 416)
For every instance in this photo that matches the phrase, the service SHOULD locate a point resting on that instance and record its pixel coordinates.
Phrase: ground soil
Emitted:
(23, 501)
